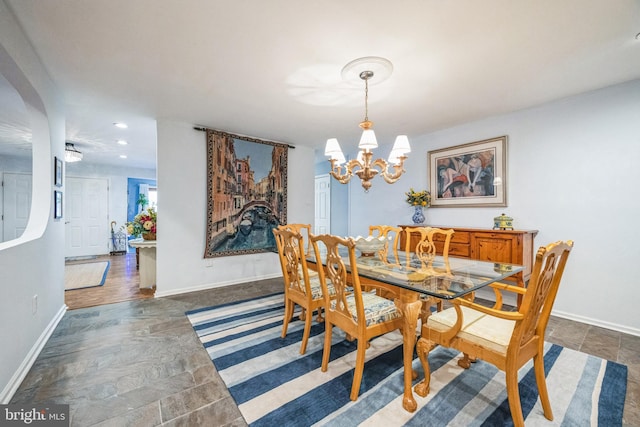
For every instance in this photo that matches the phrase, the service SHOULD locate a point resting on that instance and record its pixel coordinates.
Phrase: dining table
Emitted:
(415, 279)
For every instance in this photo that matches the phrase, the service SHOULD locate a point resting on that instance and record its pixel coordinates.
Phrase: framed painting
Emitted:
(246, 193)
(469, 175)
(57, 210)
(57, 172)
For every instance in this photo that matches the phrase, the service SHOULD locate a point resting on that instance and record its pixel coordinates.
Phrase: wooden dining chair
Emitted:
(393, 235)
(506, 339)
(303, 229)
(361, 315)
(299, 287)
(426, 241)
(423, 242)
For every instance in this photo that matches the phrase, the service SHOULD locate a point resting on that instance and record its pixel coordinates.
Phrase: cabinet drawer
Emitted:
(458, 237)
(455, 249)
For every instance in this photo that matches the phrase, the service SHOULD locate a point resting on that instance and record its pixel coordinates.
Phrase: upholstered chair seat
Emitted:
(316, 287)
(376, 309)
(477, 328)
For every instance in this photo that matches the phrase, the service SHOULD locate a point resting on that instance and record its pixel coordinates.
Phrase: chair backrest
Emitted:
(292, 260)
(303, 229)
(425, 248)
(335, 271)
(541, 291)
(392, 234)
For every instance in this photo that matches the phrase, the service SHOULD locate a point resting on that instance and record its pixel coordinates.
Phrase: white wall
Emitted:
(182, 179)
(572, 175)
(35, 265)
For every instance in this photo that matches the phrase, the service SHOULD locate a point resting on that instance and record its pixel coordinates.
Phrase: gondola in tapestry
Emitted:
(246, 193)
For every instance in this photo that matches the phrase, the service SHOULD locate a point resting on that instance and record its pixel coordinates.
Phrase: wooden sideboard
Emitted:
(510, 246)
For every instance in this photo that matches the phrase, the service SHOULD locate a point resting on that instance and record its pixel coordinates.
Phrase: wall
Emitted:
(15, 164)
(133, 193)
(572, 175)
(182, 174)
(34, 265)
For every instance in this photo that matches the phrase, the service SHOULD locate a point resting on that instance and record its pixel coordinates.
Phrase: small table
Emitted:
(445, 278)
(147, 261)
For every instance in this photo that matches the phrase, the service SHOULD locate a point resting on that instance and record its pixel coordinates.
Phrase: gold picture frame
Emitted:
(469, 175)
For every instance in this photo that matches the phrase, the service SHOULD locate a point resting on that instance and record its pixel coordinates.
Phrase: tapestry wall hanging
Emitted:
(246, 193)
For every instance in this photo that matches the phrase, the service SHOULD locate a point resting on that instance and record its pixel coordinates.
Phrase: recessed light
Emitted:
(122, 142)
(121, 125)
(123, 156)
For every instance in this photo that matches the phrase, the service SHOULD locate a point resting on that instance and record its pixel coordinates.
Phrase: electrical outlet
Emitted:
(34, 304)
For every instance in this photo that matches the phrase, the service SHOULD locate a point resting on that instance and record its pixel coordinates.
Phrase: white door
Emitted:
(322, 221)
(16, 204)
(86, 215)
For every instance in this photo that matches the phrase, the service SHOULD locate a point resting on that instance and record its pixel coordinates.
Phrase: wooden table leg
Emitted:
(411, 310)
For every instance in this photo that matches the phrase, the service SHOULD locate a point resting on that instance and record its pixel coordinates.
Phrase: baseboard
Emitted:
(597, 322)
(205, 286)
(27, 363)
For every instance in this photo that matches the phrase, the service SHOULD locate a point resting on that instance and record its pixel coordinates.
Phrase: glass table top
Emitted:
(445, 278)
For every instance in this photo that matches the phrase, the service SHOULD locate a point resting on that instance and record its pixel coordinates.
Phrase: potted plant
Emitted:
(419, 200)
(144, 224)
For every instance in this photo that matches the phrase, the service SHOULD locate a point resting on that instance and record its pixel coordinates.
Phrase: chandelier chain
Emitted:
(366, 99)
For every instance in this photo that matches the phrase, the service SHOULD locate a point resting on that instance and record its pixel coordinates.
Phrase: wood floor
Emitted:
(122, 284)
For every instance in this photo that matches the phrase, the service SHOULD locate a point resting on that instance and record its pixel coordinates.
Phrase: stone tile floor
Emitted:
(138, 363)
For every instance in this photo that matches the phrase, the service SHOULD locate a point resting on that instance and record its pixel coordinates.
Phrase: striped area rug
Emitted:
(274, 385)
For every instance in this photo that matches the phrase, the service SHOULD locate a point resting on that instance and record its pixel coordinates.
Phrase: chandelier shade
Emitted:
(402, 144)
(363, 166)
(332, 147)
(368, 140)
(71, 154)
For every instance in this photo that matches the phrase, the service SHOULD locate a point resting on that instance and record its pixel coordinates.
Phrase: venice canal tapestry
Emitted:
(246, 193)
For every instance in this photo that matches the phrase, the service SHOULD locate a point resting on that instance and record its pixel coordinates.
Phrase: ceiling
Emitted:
(272, 69)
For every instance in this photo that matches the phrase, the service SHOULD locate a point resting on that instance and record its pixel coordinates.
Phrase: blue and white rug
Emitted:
(274, 385)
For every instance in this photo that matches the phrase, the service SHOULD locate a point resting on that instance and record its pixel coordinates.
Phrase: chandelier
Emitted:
(363, 166)
(71, 154)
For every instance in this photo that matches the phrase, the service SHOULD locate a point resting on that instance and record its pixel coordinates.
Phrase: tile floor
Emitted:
(138, 363)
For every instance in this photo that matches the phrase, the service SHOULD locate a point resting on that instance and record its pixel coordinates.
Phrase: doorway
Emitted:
(15, 205)
(86, 214)
(322, 217)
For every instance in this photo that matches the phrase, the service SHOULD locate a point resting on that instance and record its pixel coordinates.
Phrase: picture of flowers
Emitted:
(247, 193)
(469, 175)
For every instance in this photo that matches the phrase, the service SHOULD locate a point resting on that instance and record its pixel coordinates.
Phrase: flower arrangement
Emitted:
(144, 222)
(418, 198)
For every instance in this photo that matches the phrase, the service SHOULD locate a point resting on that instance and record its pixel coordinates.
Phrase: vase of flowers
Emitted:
(419, 200)
(144, 224)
